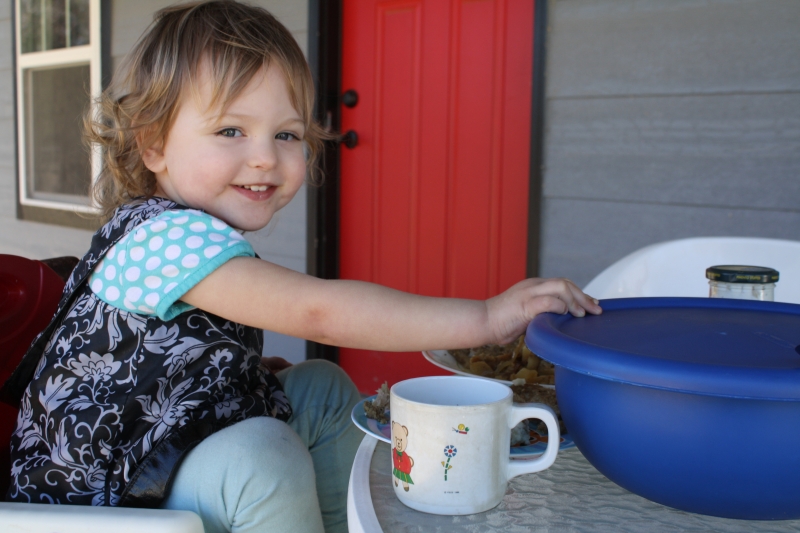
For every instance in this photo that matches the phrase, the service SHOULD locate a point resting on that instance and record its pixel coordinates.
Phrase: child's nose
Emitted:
(264, 154)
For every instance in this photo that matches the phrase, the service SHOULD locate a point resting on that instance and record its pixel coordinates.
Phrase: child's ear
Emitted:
(153, 157)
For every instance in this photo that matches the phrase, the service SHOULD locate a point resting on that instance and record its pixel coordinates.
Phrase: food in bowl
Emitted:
(507, 362)
(378, 408)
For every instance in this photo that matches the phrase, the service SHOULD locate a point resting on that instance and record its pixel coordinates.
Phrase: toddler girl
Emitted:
(147, 389)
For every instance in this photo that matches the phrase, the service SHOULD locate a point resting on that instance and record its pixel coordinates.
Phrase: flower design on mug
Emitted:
(450, 451)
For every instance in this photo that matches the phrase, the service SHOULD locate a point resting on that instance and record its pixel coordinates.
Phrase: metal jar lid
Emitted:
(742, 274)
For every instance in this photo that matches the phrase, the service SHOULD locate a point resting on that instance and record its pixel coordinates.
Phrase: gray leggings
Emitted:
(268, 476)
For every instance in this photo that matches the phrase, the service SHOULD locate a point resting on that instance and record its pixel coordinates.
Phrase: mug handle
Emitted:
(548, 416)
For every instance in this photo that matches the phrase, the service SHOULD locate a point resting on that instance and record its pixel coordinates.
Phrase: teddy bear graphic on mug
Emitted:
(400, 459)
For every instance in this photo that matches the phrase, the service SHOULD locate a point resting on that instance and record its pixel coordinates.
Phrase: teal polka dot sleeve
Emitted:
(157, 262)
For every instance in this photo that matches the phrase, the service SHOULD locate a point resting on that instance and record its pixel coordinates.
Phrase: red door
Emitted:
(434, 198)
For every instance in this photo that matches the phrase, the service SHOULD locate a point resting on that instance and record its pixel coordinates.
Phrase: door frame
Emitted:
(325, 59)
(536, 170)
(322, 217)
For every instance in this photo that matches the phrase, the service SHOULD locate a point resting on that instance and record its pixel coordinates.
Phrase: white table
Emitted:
(571, 496)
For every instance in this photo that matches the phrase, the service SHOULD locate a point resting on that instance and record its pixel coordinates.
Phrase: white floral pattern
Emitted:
(110, 386)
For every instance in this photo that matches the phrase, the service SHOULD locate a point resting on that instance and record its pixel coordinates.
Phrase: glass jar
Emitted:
(742, 282)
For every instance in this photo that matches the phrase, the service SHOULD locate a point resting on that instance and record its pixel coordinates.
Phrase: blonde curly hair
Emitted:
(137, 110)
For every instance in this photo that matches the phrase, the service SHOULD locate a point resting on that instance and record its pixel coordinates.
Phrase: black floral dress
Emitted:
(110, 400)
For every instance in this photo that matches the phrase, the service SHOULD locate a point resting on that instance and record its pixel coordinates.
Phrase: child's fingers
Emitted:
(585, 301)
(533, 297)
(547, 303)
(573, 304)
(575, 301)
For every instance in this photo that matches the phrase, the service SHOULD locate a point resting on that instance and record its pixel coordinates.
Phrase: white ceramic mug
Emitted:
(451, 441)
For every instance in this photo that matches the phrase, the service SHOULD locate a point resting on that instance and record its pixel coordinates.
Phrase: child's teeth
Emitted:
(256, 188)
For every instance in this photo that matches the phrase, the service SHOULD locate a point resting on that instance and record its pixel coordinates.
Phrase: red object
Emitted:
(434, 198)
(402, 462)
(29, 295)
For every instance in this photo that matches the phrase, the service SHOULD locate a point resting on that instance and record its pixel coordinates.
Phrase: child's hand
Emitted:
(511, 312)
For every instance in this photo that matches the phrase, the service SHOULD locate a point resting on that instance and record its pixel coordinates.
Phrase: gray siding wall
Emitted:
(282, 242)
(668, 119)
(7, 187)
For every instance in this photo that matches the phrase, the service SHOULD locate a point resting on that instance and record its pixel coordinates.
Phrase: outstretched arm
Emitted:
(356, 314)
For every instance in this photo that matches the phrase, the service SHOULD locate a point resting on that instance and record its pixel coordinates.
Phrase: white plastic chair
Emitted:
(46, 518)
(677, 268)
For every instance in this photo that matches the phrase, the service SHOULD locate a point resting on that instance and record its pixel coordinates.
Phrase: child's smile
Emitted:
(241, 164)
(256, 192)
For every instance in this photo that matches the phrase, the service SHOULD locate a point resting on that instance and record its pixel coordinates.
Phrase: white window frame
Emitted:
(62, 57)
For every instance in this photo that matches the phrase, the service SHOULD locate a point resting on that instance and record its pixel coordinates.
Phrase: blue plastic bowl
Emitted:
(691, 403)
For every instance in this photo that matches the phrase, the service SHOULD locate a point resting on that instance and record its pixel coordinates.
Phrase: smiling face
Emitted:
(240, 164)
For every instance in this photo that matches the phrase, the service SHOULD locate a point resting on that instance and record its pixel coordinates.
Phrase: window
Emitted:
(58, 74)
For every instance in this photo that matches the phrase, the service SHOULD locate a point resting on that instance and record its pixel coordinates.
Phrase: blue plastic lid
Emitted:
(712, 346)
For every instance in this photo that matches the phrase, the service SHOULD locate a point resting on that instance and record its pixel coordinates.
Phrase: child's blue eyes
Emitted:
(229, 132)
(287, 136)
(282, 136)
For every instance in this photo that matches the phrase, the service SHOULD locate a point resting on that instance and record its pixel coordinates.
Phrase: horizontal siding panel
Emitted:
(293, 15)
(25, 238)
(7, 94)
(7, 148)
(302, 40)
(128, 22)
(290, 348)
(8, 176)
(8, 194)
(581, 238)
(285, 236)
(718, 151)
(6, 49)
(672, 46)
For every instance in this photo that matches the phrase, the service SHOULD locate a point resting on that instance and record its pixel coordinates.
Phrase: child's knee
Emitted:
(273, 457)
(257, 471)
(268, 441)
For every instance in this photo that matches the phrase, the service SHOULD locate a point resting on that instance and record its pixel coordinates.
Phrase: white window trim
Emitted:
(76, 55)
